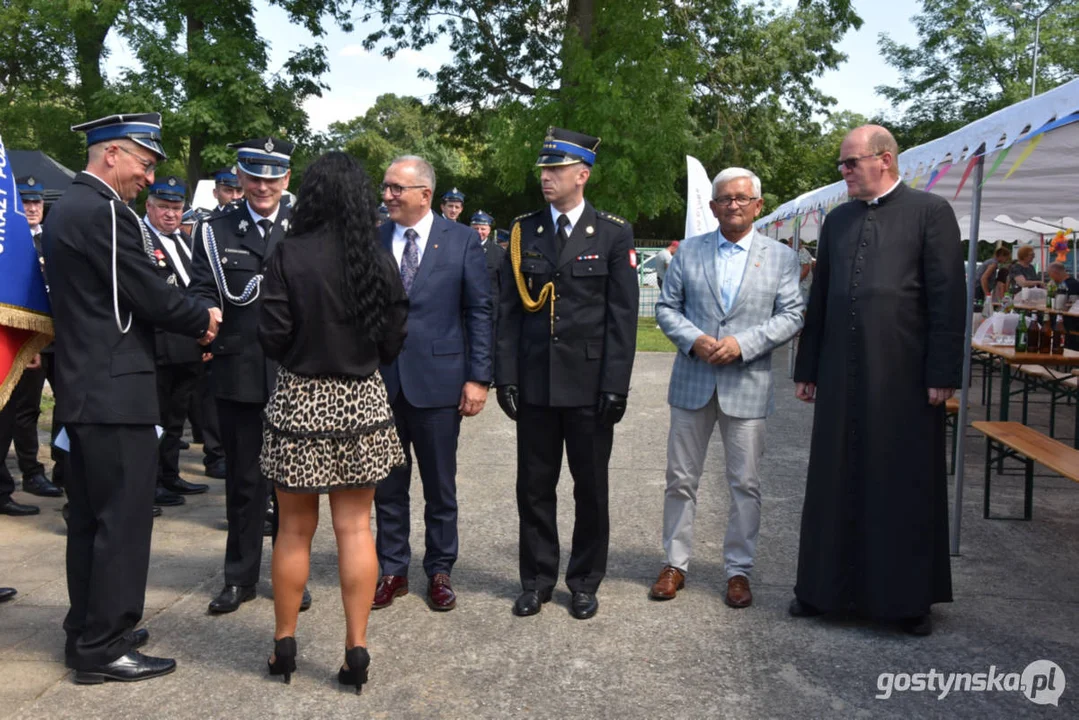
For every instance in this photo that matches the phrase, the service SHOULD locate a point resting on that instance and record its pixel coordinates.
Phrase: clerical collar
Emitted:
(877, 199)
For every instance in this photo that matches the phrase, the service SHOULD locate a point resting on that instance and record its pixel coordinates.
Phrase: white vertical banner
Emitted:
(699, 217)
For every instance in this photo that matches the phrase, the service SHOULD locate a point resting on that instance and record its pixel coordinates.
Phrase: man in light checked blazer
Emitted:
(729, 298)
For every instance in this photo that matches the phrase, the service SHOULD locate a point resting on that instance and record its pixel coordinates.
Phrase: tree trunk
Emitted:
(91, 26)
(197, 132)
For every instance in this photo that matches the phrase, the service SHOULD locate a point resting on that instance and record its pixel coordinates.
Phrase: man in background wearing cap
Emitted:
(567, 332)
(453, 204)
(178, 357)
(19, 417)
(227, 189)
(231, 251)
(481, 223)
(106, 300)
(441, 375)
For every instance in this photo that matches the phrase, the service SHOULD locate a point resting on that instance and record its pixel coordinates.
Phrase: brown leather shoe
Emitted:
(440, 593)
(670, 581)
(738, 594)
(389, 587)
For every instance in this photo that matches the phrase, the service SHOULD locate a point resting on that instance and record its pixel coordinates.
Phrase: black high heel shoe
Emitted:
(284, 662)
(358, 661)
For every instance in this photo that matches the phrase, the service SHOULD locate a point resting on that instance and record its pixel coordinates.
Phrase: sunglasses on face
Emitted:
(852, 162)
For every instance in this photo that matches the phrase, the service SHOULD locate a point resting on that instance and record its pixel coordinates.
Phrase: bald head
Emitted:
(874, 154)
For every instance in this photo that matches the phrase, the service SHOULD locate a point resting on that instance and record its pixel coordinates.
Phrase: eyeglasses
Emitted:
(852, 162)
(396, 190)
(148, 166)
(739, 200)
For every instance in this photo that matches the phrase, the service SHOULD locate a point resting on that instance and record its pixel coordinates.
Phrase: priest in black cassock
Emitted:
(881, 352)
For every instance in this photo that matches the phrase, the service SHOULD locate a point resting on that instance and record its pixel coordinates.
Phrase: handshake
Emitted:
(211, 331)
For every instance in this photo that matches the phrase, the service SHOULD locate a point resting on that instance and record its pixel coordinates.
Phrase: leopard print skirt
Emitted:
(328, 433)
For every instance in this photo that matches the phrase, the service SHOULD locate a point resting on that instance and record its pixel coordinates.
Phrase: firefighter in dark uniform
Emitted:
(566, 338)
(231, 250)
(178, 358)
(453, 204)
(227, 190)
(482, 224)
(107, 298)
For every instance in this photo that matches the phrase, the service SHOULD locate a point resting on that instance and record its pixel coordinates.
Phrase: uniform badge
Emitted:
(243, 225)
(31, 181)
(224, 261)
(633, 259)
(172, 182)
(171, 279)
(284, 224)
(269, 145)
(159, 255)
(589, 230)
(539, 230)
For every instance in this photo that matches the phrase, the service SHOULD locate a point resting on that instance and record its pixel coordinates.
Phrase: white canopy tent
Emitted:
(1019, 162)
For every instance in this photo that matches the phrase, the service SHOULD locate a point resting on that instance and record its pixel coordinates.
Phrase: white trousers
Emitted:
(687, 445)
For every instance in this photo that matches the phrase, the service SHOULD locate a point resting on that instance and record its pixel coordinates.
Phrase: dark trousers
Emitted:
(246, 490)
(18, 424)
(431, 433)
(110, 488)
(541, 432)
(175, 386)
(203, 411)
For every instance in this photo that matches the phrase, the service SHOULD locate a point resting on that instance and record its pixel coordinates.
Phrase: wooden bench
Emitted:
(1016, 440)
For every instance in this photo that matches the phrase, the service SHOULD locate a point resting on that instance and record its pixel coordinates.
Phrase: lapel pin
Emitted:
(589, 230)
(756, 264)
(243, 225)
(284, 224)
(224, 260)
(539, 230)
(436, 247)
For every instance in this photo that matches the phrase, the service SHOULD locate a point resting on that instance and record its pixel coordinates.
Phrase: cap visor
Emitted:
(555, 160)
(152, 145)
(263, 171)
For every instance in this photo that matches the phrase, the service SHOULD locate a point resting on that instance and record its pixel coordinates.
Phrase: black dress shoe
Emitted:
(216, 470)
(132, 667)
(920, 626)
(530, 602)
(7, 593)
(183, 487)
(583, 605)
(140, 637)
(229, 599)
(10, 507)
(797, 608)
(305, 603)
(157, 511)
(185, 445)
(39, 485)
(165, 498)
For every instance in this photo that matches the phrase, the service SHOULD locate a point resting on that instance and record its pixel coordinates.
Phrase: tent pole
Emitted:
(964, 390)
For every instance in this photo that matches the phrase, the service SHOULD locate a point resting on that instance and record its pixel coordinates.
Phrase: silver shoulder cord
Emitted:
(251, 290)
(116, 281)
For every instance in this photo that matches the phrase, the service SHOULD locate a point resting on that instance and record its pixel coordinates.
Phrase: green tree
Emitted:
(974, 57)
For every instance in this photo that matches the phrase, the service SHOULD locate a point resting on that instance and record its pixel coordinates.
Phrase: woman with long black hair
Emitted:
(333, 309)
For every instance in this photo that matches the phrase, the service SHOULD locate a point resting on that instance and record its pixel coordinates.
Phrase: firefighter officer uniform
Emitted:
(565, 344)
(231, 251)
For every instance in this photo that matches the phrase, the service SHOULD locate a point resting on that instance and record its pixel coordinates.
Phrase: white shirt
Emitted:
(172, 249)
(574, 216)
(422, 228)
(272, 217)
(885, 194)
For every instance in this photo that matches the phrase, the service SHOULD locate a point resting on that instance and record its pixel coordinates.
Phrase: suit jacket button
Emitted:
(723, 322)
(558, 274)
(554, 339)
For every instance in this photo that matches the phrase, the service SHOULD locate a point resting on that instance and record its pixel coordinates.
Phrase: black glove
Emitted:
(612, 407)
(507, 400)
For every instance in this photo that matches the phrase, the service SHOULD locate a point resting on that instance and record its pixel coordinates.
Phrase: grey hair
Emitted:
(1058, 266)
(733, 173)
(425, 171)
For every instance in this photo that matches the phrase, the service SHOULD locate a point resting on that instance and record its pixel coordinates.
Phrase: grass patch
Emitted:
(650, 338)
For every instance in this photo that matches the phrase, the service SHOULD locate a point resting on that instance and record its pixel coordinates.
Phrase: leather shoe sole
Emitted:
(530, 602)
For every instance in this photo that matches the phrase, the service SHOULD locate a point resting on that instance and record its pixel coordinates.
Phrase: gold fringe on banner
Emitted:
(23, 319)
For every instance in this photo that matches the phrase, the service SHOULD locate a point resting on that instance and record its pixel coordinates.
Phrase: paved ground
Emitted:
(1016, 588)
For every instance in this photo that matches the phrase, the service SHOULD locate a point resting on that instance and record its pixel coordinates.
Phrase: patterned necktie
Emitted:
(563, 227)
(410, 259)
(266, 224)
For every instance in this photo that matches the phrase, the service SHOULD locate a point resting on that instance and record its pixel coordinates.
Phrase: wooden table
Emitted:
(1009, 358)
(1036, 308)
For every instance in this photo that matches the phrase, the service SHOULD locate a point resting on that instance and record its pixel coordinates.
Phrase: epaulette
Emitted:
(613, 218)
(526, 215)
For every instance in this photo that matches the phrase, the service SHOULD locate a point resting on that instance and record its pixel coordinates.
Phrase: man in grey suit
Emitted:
(729, 298)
